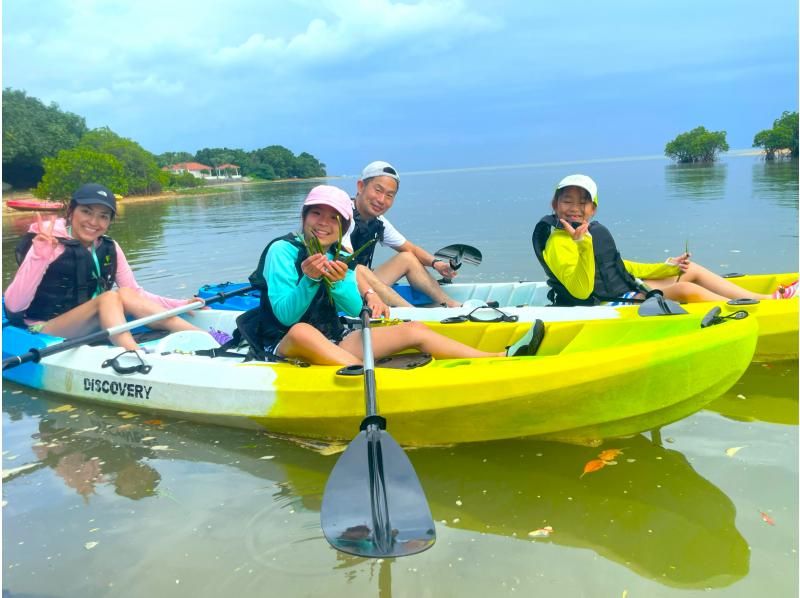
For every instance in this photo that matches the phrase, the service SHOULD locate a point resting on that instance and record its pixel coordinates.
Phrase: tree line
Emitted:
(701, 145)
(54, 152)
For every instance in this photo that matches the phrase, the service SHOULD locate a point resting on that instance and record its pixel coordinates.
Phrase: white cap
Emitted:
(582, 181)
(379, 168)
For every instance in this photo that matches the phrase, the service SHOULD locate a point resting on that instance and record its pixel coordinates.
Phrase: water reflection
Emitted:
(651, 512)
(80, 450)
(775, 182)
(768, 392)
(696, 181)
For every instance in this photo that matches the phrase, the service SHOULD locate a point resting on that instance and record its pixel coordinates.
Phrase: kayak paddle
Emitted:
(36, 355)
(373, 504)
(457, 255)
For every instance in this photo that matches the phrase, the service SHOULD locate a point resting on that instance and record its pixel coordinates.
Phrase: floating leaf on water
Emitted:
(153, 422)
(267, 457)
(733, 450)
(161, 447)
(766, 518)
(542, 532)
(610, 454)
(90, 545)
(741, 397)
(124, 426)
(592, 466)
(62, 409)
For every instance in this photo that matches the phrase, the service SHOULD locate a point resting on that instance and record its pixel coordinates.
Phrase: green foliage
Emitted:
(74, 167)
(782, 136)
(272, 162)
(32, 132)
(168, 158)
(144, 177)
(698, 145)
(183, 180)
(220, 155)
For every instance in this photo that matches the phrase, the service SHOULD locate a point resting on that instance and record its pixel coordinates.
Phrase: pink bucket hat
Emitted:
(331, 196)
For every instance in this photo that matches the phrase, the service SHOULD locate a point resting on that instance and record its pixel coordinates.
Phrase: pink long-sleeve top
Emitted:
(21, 291)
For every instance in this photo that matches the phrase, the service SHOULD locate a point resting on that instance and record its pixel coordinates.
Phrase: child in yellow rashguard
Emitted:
(584, 267)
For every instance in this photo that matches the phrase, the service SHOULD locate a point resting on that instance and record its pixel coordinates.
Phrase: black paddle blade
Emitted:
(458, 253)
(660, 306)
(373, 505)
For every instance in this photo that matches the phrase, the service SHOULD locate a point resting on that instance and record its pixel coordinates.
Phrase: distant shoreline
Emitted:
(131, 199)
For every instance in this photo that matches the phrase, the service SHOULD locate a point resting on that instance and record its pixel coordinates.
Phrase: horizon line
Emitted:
(736, 153)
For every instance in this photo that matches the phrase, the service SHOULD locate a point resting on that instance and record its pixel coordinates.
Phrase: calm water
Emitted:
(103, 503)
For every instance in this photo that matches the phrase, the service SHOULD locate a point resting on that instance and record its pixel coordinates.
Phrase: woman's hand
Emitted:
(575, 233)
(334, 270)
(315, 266)
(45, 238)
(682, 261)
(377, 308)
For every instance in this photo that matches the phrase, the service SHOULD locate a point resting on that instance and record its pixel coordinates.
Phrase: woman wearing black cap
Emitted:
(68, 265)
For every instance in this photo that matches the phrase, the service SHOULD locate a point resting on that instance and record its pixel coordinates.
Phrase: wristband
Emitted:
(436, 259)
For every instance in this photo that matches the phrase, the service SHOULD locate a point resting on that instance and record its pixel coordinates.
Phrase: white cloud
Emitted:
(359, 29)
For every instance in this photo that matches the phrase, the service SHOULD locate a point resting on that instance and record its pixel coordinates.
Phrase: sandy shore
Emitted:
(130, 199)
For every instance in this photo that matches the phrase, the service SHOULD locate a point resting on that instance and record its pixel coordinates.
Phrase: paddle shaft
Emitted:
(381, 525)
(355, 513)
(369, 363)
(36, 355)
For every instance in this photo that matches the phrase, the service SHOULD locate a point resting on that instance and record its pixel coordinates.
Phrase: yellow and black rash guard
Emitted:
(573, 263)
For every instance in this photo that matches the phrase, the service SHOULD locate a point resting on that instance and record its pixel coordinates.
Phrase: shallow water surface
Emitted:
(100, 502)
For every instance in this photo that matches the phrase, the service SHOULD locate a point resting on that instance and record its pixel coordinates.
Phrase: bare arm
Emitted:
(427, 259)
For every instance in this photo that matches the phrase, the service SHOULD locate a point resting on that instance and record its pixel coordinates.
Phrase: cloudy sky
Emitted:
(428, 84)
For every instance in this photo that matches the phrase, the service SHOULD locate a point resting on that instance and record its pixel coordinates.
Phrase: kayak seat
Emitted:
(185, 341)
(404, 361)
(401, 361)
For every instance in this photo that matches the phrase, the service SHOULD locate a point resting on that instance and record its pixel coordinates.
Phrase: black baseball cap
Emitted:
(94, 193)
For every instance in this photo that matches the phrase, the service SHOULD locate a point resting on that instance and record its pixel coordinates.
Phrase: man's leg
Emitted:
(406, 264)
(387, 294)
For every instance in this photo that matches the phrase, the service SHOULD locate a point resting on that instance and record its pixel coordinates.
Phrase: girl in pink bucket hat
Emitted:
(304, 290)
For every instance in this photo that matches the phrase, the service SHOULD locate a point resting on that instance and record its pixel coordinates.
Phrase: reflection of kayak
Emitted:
(589, 380)
(766, 393)
(777, 320)
(652, 512)
(33, 204)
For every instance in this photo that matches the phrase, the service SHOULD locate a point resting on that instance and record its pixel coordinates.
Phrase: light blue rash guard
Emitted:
(291, 298)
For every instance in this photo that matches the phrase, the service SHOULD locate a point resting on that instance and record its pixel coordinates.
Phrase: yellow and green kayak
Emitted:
(527, 300)
(590, 380)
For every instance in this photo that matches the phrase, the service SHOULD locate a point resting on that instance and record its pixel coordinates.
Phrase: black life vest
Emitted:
(611, 279)
(267, 329)
(365, 231)
(71, 280)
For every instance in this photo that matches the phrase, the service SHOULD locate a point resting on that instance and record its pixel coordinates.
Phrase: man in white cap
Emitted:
(376, 191)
